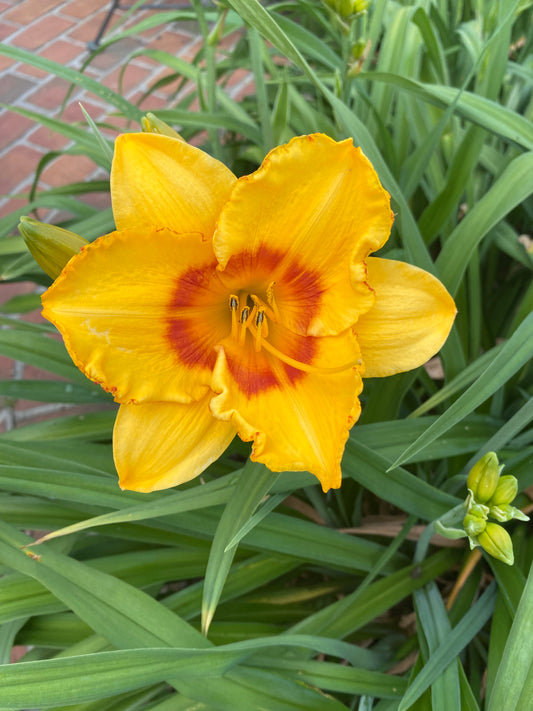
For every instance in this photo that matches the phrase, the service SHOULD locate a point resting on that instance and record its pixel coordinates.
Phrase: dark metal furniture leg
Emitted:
(94, 44)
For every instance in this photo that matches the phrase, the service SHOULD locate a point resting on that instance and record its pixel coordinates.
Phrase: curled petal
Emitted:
(409, 322)
(164, 182)
(162, 444)
(302, 225)
(140, 312)
(298, 421)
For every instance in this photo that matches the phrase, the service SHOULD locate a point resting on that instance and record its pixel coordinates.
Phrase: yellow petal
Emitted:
(409, 322)
(303, 223)
(141, 312)
(164, 182)
(161, 444)
(299, 421)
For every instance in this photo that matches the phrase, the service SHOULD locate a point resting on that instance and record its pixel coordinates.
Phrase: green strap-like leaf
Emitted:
(512, 690)
(451, 647)
(255, 481)
(515, 352)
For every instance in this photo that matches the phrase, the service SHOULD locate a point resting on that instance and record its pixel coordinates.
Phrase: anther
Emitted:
(234, 305)
(244, 318)
(259, 320)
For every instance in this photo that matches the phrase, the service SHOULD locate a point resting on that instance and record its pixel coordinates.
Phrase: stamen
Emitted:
(234, 305)
(259, 320)
(307, 367)
(260, 304)
(244, 318)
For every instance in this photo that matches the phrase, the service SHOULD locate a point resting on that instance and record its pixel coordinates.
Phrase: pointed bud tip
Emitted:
(52, 247)
(483, 477)
(505, 492)
(497, 543)
(151, 124)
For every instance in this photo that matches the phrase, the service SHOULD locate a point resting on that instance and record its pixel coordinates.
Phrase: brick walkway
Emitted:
(60, 30)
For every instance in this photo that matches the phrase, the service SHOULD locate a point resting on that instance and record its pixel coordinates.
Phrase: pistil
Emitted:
(255, 320)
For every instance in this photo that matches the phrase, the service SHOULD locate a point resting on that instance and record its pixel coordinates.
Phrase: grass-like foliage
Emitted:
(318, 602)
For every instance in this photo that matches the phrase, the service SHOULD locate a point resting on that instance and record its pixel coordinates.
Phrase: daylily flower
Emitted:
(250, 306)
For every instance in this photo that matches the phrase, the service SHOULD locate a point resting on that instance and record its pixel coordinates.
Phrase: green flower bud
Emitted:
(474, 525)
(502, 513)
(347, 8)
(51, 247)
(497, 542)
(506, 512)
(506, 491)
(479, 510)
(358, 48)
(151, 124)
(483, 477)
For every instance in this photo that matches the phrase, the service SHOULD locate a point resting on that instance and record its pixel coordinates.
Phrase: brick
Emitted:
(46, 138)
(10, 205)
(115, 54)
(174, 42)
(7, 29)
(61, 51)
(6, 368)
(129, 79)
(73, 113)
(51, 93)
(243, 90)
(42, 31)
(119, 123)
(34, 72)
(190, 52)
(150, 103)
(11, 289)
(86, 30)
(99, 200)
(5, 63)
(67, 169)
(238, 76)
(168, 88)
(18, 164)
(14, 86)
(229, 41)
(12, 126)
(78, 8)
(29, 10)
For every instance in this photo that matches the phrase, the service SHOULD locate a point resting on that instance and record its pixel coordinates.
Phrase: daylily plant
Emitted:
(250, 306)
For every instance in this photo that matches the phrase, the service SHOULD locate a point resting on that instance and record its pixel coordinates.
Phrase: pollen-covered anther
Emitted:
(261, 329)
(234, 306)
(245, 313)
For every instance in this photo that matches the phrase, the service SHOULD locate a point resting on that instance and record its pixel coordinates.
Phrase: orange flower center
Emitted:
(249, 314)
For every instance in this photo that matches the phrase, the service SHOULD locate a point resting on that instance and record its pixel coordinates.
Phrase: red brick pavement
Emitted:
(59, 30)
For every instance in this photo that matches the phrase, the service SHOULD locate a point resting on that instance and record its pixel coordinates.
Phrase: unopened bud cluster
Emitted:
(348, 8)
(490, 495)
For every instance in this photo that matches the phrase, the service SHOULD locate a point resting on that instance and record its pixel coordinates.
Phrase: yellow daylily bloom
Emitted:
(250, 306)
